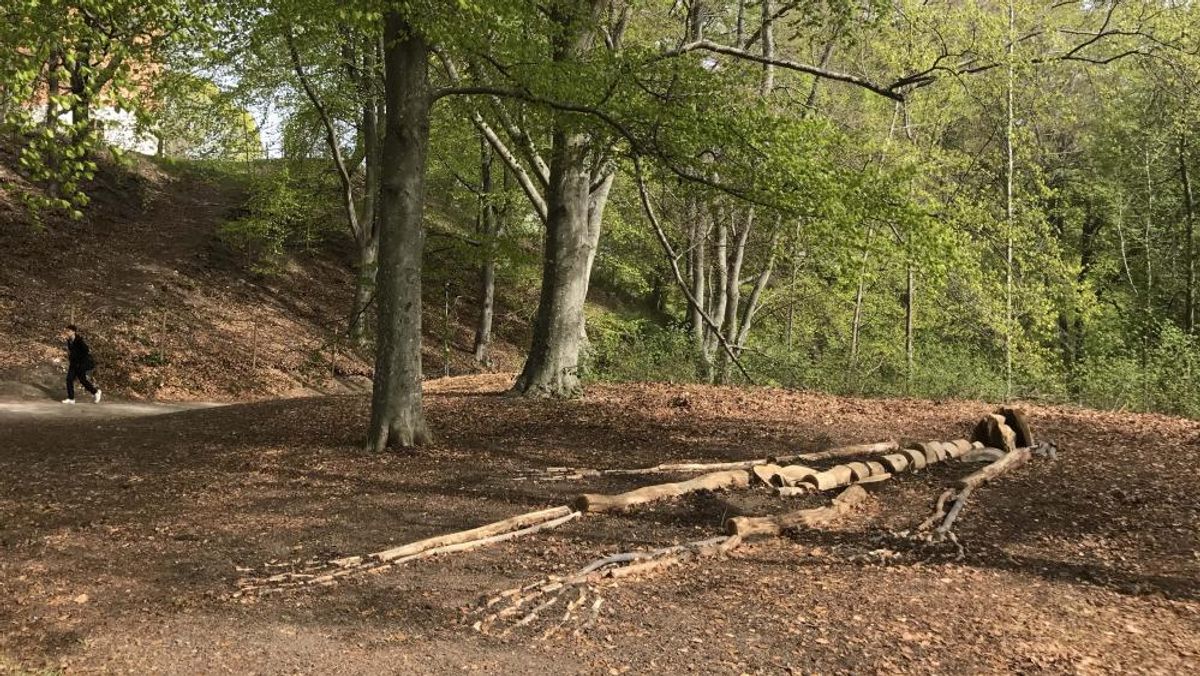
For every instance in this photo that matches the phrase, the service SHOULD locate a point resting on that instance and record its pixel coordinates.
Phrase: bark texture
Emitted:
(397, 419)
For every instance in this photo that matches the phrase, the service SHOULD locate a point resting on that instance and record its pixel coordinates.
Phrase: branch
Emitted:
(710, 46)
(518, 170)
(330, 134)
(674, 259)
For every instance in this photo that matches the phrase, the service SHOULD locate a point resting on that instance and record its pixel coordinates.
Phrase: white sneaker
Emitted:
(68, 401)
(96, 396)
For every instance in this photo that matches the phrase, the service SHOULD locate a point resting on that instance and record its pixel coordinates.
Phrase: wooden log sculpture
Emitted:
(1015, 419)
(994, 432)
(747, 526)
(856, 451)
(481, 535)
(592, 502)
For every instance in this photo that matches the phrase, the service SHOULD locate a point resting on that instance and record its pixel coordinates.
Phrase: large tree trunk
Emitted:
(552, 367)
(396, 416)
(573, 218)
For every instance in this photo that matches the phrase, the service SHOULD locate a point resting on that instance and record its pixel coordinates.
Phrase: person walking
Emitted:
(79, 365)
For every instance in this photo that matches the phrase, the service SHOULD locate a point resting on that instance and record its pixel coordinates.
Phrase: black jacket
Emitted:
(78, 355)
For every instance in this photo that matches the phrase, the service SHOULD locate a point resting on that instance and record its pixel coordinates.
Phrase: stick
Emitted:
(518, 522)
(851, 451)
(747, 526)
(591, 502)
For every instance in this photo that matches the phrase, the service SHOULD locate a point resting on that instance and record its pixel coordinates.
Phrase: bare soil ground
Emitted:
(121, 539)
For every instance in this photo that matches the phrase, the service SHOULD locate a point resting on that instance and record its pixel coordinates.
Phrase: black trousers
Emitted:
(75, 373)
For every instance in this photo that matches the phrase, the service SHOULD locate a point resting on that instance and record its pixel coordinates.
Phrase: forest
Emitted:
(569, 241)
(936, 199)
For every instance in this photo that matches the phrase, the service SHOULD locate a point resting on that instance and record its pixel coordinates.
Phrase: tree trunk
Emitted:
(52, 84)
(81, 88)
(910, 290)
(768, 50)
(719, 293)
(698, 248)
(364, 289)
(397, 419)
(489, 229)
(1008, 201)
(573, 219)
(1189, 242)
(733, 296)
(369, 220)
(552, 368)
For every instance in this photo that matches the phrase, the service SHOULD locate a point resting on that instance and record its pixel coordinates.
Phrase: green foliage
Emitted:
(194, 119)
(286, 213)
(63, 58)
(624, 349)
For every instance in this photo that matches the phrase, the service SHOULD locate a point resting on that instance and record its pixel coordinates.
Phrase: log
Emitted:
(876, 468)
(802, 489)
(859, 470)
(982, 455)
(916, 459)
(855, 451)
(838, 475)
(1015, 419)
(684, 467)
(592, 502)
(929, 448)
(518, 522)
(958, 448)
(896, 462)
(747, 526)
(1009, 461)
(766, 473)
(942, 448)
(994, 432)
(474, 544)
(792, 475)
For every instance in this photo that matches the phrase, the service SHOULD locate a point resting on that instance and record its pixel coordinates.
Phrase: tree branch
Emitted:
(674, 260)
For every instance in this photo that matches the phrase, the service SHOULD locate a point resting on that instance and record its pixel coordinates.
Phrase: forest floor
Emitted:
(121, 541)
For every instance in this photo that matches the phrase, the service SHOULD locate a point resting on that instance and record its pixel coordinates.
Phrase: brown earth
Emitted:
(121, 540)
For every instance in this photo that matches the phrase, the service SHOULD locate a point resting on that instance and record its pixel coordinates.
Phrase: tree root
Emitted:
(522, 606)
(939, 526)
(330, 572)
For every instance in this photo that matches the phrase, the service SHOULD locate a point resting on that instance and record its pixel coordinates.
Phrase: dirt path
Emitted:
(25, 409)
(120, 554)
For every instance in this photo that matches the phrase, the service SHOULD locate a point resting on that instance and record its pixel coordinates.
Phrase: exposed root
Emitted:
(509, 607)
(939, 526)
(326, 573)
